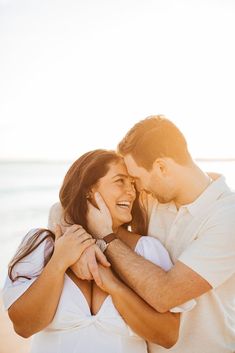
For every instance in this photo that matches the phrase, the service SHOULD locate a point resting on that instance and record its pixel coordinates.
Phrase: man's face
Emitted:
(141, 175)
(156, 181)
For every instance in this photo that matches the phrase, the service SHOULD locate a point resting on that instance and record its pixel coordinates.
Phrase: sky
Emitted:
(75, 75)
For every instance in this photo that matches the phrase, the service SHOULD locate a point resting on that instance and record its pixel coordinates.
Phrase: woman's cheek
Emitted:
(110, 203)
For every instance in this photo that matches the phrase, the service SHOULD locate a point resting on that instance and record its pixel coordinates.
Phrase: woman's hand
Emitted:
(86, 267)
(70, 245)
(109, 282)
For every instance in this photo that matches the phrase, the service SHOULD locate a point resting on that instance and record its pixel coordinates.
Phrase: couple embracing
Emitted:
(139, 255)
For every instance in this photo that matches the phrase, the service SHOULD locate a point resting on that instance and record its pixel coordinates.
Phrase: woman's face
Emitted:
(118, 191)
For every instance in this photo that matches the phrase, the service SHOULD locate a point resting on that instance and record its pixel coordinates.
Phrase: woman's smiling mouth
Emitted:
(124, 205)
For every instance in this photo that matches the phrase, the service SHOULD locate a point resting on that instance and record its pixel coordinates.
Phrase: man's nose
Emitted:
(138, 185)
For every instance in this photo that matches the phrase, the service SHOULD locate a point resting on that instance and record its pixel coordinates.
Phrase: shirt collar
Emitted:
(209, 195)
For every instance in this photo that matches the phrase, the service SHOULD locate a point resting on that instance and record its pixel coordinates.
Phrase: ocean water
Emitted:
(28, 189)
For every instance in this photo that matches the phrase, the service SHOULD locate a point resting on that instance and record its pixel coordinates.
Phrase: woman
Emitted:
(43, 295)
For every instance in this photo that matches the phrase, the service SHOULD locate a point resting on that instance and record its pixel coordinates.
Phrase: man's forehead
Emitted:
(129, 161)
(131, 165)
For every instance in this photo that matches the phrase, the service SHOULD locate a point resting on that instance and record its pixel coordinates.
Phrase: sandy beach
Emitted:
(10, 341)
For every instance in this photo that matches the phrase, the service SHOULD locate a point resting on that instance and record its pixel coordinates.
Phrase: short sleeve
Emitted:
(31, 266)
(212, 253)
(153, 250)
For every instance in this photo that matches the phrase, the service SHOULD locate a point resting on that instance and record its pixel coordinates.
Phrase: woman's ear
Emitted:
(90, 196)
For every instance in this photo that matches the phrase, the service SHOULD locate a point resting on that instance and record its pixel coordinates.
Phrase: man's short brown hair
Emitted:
(152, 138)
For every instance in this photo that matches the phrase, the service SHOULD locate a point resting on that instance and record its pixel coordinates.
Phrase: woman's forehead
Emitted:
(117, 169)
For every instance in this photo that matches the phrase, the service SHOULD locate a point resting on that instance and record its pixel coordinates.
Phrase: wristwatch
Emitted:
(104, 242)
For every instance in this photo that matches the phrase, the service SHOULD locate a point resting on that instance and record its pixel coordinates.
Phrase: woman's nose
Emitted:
(130, 189)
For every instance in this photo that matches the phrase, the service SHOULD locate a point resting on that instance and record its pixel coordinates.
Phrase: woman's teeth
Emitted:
(124, 204)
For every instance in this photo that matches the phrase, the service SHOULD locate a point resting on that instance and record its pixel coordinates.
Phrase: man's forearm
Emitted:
(145, 278)
(162, 290)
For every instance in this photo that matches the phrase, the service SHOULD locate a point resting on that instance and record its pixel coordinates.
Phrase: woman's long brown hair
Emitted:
(81, 176)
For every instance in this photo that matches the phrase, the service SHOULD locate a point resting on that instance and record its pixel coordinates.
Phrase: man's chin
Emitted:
(161, 199)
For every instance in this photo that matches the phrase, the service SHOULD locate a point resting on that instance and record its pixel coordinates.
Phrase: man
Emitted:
(193, 216)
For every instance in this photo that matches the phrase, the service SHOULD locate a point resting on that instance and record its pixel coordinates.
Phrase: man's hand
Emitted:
(99, 219)
(87, 266)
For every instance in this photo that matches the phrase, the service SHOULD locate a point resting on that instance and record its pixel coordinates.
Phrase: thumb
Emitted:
(91, 209)
(102, 258)
(58, 232)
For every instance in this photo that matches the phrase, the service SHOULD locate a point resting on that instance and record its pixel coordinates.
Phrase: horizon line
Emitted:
(41, 160)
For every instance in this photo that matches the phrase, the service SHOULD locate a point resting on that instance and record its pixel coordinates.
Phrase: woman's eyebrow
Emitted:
(120, 176)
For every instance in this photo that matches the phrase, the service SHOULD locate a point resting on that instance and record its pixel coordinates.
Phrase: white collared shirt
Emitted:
(202, 236)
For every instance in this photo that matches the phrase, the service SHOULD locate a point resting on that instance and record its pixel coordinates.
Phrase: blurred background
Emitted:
(75, 75)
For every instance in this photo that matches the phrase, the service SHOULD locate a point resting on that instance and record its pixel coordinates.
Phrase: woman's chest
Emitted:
(90, 292)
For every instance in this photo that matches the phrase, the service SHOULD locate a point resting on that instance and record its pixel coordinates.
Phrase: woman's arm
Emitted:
(35, 309)
(162, 329)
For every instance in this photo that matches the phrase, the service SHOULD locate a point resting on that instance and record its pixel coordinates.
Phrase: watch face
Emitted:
(101, 244)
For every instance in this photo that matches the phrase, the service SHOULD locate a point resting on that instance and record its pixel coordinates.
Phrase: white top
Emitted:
(202, 236)
(74, 329)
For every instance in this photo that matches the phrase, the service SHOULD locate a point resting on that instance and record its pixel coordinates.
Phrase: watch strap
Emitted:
(110, 237)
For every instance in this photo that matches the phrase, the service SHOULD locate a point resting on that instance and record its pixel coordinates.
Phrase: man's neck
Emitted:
(193, 183)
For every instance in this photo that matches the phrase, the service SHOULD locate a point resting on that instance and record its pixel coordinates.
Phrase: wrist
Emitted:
(105, 241)
(105, 233)
(112, 246)
(102, 233)
(58, 264)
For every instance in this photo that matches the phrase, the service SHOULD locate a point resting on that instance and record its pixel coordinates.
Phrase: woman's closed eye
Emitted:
(120, 181)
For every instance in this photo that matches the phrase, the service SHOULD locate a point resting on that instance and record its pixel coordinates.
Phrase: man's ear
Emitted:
(160, 166)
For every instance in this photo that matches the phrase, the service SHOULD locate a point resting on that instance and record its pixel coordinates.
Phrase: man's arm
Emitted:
(205, 264)
(162, 290)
